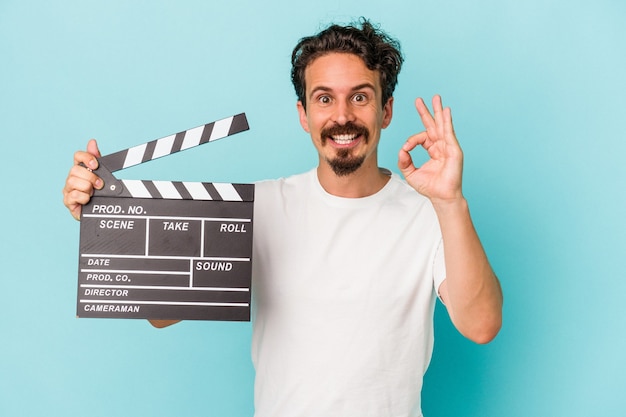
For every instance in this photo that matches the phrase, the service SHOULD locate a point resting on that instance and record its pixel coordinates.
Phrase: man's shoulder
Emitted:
(291, 182)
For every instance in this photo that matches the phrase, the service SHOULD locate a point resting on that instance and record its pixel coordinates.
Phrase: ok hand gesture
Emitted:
(440, 177)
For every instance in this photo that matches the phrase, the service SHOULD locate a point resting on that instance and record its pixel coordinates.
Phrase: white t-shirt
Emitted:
(343, 299)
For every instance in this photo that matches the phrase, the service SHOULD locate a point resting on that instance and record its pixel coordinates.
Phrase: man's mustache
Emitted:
(348, 128)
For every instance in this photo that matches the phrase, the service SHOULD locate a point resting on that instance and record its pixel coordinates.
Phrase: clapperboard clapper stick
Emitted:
(167, 249)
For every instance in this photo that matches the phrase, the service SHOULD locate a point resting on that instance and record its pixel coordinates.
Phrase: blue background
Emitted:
(538, 94)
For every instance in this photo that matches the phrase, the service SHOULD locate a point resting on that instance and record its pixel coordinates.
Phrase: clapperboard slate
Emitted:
(167, 249)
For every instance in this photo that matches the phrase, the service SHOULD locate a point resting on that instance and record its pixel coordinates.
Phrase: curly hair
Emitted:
(378, 51)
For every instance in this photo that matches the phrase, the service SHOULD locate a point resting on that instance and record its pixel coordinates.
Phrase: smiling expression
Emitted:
(344, 112)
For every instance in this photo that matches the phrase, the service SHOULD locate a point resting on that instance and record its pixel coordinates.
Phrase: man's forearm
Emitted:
(472, 292)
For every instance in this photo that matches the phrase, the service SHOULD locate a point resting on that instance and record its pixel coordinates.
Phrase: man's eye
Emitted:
(359, 98)
(324, 99)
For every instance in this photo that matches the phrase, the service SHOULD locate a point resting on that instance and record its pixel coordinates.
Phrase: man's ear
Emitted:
(387, 112)
(303, 119)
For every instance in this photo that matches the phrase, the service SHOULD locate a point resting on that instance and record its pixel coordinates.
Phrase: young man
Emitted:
(349, 258)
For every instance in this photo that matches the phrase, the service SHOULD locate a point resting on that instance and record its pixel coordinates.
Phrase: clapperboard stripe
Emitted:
(181, 189)
(176, 190)
(245, 191)
(167, 190)
(163, 146)
(178, 142)
(192, 138)
(197, 191)
(137, 189)
(175, 143)
(227, 191)
(210, 189)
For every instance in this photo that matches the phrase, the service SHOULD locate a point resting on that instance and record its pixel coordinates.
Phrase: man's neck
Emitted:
(365, 181)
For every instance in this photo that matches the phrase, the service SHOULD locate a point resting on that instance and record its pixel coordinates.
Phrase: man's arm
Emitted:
(471, 291)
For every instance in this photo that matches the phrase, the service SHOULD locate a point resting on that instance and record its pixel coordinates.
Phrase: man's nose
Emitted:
(343, 113)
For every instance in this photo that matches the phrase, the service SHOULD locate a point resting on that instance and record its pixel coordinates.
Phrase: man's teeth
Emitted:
(343, 139)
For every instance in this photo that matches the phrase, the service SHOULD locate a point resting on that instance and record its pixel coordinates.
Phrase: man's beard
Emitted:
(344, 163)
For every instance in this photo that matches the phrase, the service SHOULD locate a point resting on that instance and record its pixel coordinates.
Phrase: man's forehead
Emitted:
(340, 70)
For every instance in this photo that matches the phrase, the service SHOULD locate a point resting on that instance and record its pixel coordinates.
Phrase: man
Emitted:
(348, 258)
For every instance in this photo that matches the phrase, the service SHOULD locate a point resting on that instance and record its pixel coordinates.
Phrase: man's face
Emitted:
(344, 112)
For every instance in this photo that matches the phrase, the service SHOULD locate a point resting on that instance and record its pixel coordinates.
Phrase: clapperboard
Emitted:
(167, 249)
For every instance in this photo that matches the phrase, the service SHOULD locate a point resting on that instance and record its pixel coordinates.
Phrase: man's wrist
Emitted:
(451, 206)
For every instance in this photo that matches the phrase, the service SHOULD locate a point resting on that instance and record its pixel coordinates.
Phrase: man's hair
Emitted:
(378, 51)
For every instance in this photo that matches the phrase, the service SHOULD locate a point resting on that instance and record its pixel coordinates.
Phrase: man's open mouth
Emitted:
(344, 139)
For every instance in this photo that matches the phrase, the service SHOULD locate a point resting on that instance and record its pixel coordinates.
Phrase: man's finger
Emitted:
(92, 148)
(417, 139)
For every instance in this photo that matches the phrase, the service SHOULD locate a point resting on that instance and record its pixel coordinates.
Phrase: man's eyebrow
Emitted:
(319, 88)
(364, 86)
